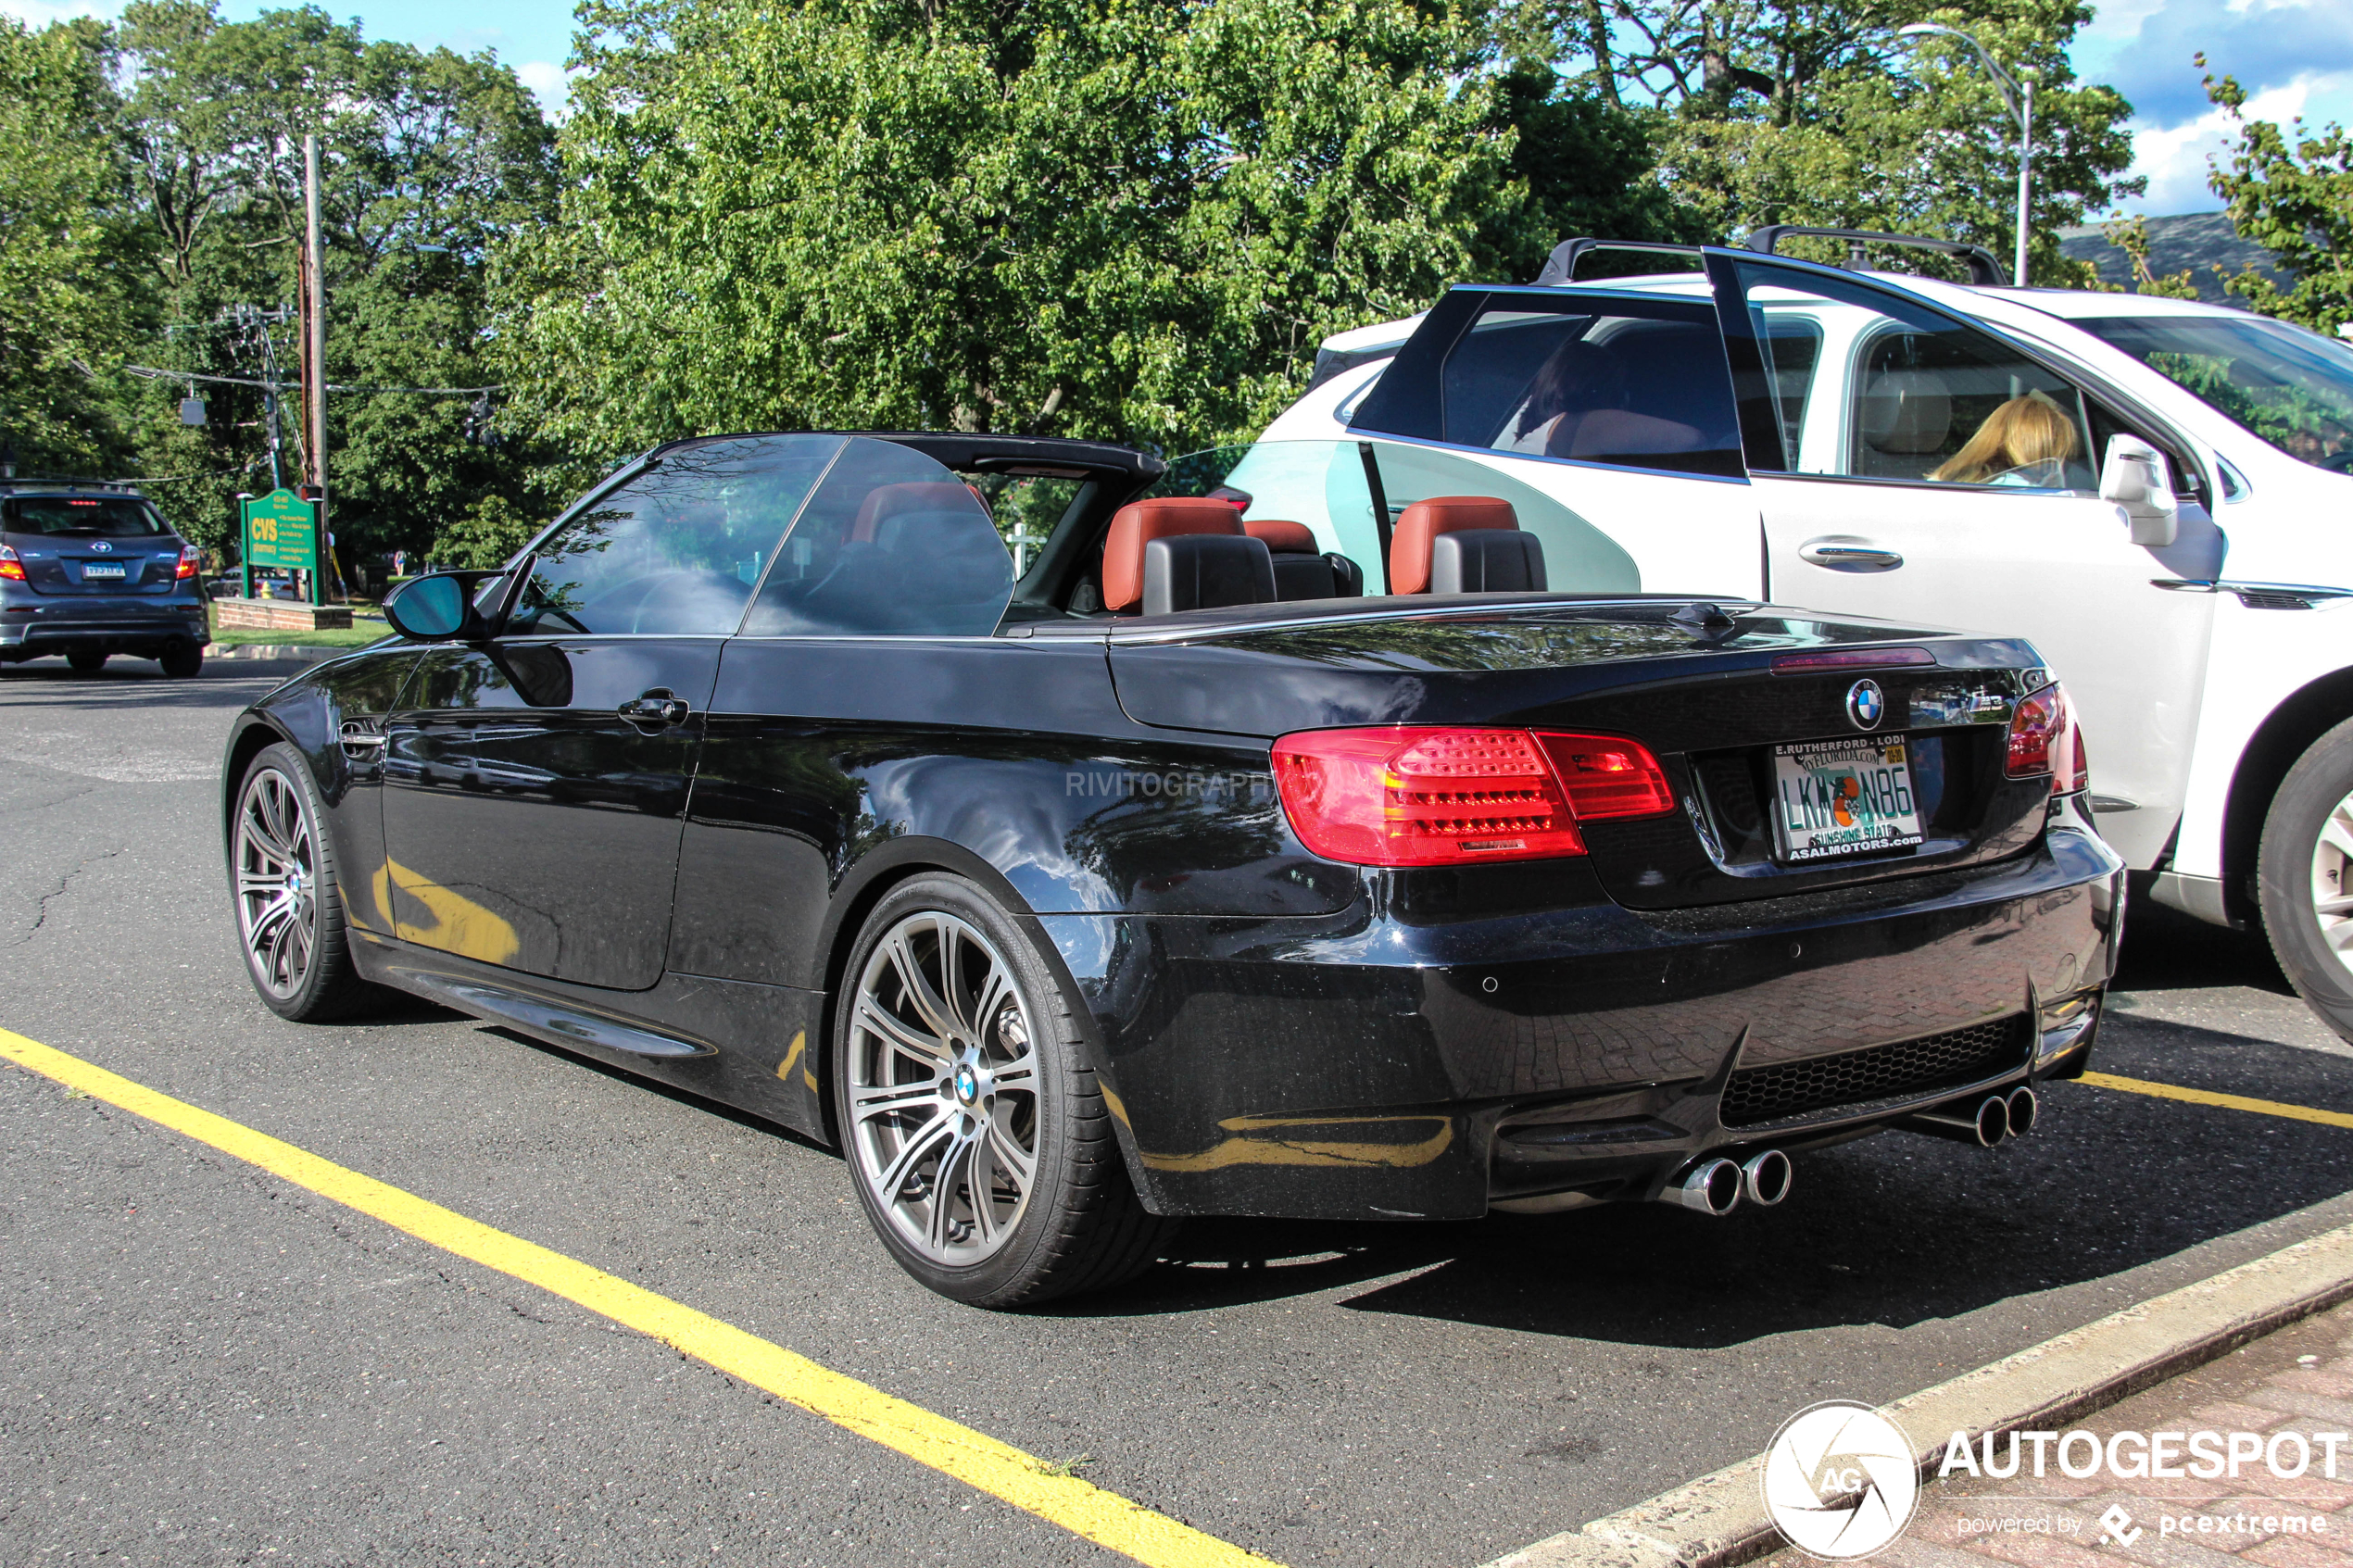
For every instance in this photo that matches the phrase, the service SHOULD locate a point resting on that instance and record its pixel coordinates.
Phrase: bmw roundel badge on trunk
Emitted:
(1865, 705)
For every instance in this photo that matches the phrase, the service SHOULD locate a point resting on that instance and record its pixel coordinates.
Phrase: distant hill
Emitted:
(2199, 241)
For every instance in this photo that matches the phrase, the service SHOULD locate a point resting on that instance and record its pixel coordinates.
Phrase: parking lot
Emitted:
(204, 1363)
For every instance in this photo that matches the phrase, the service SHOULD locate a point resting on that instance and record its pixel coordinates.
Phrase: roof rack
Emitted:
(1984, 271)
(1561, 266)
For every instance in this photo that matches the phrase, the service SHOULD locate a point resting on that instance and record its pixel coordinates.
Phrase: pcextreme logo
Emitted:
(1841, 1480)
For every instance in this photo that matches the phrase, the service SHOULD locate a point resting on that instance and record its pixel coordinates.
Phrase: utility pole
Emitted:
(314, 358)
(2018, 97)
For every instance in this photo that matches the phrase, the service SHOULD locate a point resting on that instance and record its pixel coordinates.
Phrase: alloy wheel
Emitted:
(943, 1090)
(277, 881)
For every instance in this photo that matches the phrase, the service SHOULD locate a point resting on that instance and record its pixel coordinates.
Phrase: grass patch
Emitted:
(358, 634)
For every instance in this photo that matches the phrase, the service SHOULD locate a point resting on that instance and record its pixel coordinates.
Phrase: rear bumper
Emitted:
(33, 625)
(1360, 1066)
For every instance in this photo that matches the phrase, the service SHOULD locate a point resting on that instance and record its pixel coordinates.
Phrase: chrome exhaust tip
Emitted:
(2023, 1108)
(1765, 1180)
(1983, 1125)
(1712, 1186)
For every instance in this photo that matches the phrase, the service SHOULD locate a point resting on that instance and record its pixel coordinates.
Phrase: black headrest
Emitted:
(1206, 570)
(1487, 561)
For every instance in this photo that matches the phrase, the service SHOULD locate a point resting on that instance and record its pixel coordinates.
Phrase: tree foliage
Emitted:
(2290, 190)
(1122, 219)
(72, 276)
(1815, 112)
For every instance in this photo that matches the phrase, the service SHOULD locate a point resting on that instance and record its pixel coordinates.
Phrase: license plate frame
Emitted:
(104, 571)
(1865, 778)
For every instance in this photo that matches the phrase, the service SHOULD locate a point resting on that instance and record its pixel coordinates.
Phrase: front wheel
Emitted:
(2305, 877)
(85, 662)
(978, 1141)
(282, 874)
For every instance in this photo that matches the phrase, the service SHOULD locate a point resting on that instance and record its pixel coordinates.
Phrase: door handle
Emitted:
(1848, 555)
(659, 705)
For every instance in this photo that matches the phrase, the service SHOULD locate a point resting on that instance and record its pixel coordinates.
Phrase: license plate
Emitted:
(97, 569)
(1836, 798)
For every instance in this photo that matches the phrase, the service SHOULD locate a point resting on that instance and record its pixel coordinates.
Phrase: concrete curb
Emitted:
(1719, 1520)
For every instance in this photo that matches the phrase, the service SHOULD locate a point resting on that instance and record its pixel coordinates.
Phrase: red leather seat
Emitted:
(1421, 524)
(1283, 538)
(1138, 523)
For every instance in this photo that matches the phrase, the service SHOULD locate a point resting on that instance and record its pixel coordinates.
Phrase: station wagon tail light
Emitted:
(2043, 738)
(189, 563)
(1411, 796)
(11, 568)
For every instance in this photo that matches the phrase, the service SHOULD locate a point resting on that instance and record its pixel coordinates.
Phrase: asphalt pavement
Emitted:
(203, 1363)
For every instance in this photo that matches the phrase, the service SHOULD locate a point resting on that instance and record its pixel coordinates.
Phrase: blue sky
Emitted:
(2296, 57)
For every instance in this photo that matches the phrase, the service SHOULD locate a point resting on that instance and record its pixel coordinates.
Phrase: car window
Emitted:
(2292, 387)
(890, 543)
(1871, 386)
(1329, 485)
(1026, 506)
(677, 550)
(87, 516)
(1626, 381)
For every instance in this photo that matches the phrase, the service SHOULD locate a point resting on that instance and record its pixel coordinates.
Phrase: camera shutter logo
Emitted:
(1841, 1480)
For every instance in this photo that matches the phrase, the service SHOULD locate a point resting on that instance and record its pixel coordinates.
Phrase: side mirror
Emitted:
(432, 609)
(2136, 479)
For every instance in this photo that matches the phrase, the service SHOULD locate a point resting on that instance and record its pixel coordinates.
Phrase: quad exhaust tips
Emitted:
(1992, 1121)
(1715, 1187)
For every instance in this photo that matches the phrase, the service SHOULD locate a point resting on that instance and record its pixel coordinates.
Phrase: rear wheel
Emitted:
(283, 878)
(2305, 881)
(182, 660)
(977, 1138)
(86, 662)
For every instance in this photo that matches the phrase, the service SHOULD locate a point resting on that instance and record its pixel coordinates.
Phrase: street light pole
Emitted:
(2019, 98)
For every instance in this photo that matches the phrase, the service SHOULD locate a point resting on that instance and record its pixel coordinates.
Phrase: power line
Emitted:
(152, 373)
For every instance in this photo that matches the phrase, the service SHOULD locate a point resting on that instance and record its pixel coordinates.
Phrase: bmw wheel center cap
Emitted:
(1866, 704)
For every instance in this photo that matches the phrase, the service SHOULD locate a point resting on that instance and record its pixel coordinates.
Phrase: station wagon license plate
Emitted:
(93, 571)
(1837, 798)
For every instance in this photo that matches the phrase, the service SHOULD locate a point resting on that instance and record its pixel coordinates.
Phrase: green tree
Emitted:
(1815, 112)
(1126, 220)
(427, 159)
(72, 295)
(2290, 190)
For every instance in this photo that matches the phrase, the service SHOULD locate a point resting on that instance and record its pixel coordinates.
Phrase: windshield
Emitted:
(2292, 387)
(88, 515)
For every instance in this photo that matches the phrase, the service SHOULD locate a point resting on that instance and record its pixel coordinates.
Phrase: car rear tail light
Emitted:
(1444, 796)
(1850, 659)
(189, 563)
(2043, 739)
(11, 568)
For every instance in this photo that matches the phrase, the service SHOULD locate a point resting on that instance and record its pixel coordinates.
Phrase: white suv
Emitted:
(2156, 492)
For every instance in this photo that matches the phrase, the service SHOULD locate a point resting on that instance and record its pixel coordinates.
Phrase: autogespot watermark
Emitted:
(1840, 1482)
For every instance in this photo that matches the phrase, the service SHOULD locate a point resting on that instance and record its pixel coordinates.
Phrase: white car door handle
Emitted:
(1848, 555)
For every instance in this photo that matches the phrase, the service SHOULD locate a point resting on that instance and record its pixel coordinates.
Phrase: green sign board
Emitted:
(281, 530)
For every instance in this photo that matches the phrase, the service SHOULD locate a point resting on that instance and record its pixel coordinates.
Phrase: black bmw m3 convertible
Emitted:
(1079, 844)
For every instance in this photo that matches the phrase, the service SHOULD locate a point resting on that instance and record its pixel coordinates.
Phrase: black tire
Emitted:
(1079, 1226)
(326, 985)
(2291, 866)
(85, 662)
(182, 660)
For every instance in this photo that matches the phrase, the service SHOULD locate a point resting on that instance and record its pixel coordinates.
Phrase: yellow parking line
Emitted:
(999, 1469)
(2230, 1102)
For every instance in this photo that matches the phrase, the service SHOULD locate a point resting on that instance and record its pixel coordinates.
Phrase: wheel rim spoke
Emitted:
(901, 1036)
(277, 907)
(953, 1176)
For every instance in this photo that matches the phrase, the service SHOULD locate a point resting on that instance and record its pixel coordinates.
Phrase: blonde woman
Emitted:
(2028, 441)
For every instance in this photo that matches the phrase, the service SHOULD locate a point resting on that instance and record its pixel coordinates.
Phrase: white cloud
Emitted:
(550, 82)
(2174, 157)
